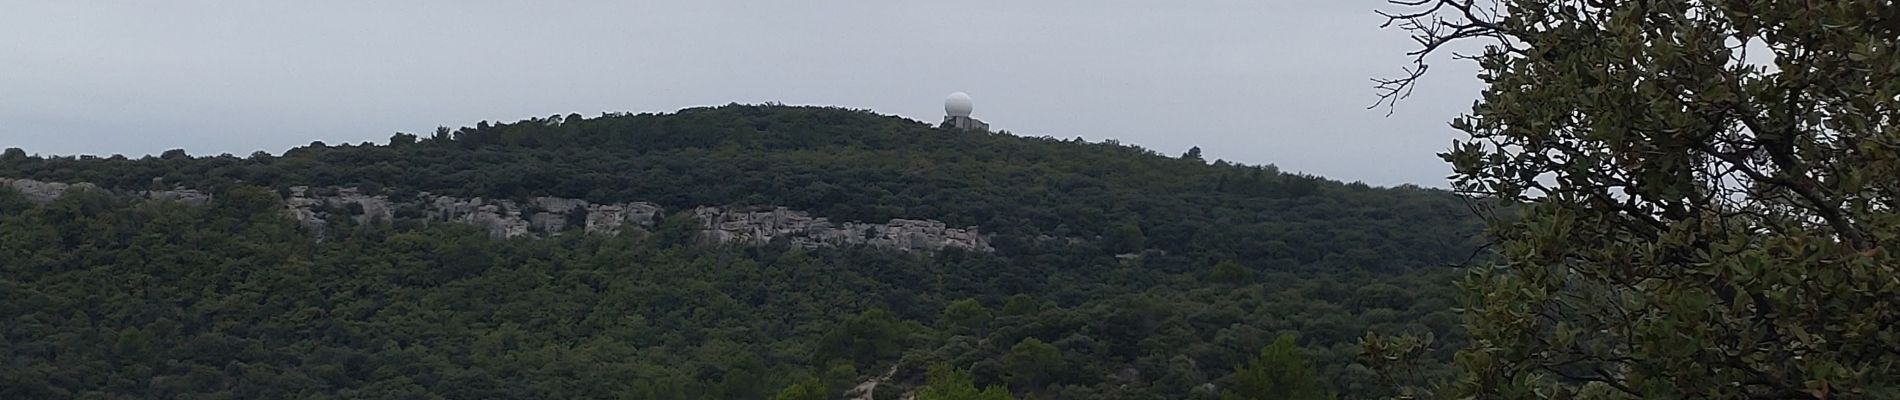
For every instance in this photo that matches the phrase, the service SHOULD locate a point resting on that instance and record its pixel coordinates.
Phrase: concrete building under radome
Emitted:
(956, 110)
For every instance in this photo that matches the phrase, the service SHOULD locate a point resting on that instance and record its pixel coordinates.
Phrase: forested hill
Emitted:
(857, 165)
(1119, 272)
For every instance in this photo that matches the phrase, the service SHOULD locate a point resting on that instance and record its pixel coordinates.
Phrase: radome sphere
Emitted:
(958, 105)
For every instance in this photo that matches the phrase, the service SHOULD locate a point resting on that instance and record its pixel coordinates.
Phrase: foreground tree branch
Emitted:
(1705, 195)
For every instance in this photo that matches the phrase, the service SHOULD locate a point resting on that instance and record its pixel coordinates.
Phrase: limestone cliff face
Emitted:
(317, 208)
(804, 230)
(43, 192)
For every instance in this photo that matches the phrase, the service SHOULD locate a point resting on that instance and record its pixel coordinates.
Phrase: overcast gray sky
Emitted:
(1281, 82)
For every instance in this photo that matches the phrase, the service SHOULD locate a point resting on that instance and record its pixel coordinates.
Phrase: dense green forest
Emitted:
(1181, 277)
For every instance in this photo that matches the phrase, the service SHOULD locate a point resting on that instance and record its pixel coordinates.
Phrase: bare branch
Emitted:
(1432, 31)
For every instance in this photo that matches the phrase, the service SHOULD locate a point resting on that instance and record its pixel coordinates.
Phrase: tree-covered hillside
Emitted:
(855, 165)
(1120, 273)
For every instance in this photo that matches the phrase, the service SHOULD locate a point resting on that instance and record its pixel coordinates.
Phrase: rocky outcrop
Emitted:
(801, 229)
(42, 192)
(317, 209)
(187, 196)
(45, 192)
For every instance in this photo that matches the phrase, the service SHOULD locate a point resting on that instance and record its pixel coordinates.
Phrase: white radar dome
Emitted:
(958, 105)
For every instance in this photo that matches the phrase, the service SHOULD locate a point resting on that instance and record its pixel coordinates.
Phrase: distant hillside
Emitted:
(859, 166)
(1147, 275)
